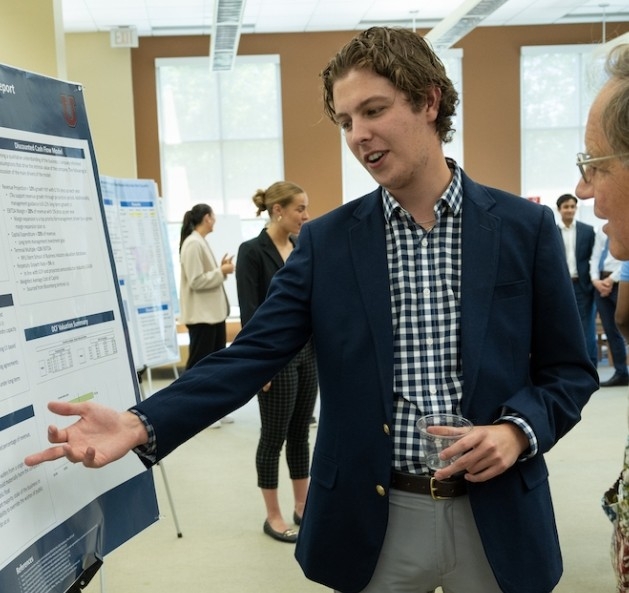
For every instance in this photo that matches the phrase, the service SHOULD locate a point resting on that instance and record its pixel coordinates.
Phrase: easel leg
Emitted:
(170, 499)
(159, 463)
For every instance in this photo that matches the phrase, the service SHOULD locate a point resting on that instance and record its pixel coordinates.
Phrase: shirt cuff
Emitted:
(148, 451)
(523, 425)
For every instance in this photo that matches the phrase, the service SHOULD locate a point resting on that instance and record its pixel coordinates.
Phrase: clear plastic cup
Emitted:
(438, 432)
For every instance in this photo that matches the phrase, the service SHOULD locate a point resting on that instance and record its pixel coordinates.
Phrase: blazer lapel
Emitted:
(269, 249)
(368, 249)
(479, 265)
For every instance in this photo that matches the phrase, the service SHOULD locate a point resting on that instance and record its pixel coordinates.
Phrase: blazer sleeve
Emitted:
(562, 377)
(225, 380)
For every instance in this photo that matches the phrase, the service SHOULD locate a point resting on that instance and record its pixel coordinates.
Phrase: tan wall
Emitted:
(27, 36)
(491, 82)
(105, 74)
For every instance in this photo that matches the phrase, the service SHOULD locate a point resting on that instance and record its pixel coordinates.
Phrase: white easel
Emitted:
(160, 464)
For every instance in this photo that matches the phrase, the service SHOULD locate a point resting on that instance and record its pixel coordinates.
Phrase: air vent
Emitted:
(225, 34)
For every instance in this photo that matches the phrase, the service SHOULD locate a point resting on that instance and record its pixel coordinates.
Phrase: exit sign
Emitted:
(124, 37)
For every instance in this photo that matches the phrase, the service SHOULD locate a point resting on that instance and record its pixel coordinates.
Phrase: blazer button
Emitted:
(380, 490)
(385, 427)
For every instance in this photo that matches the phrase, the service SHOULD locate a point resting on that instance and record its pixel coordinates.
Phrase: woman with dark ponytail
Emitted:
(204, 304)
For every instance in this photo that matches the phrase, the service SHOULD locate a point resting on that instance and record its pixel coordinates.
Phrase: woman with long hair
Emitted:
(203, 300)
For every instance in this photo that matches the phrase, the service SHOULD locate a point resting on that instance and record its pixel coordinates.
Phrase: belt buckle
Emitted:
(433, 490)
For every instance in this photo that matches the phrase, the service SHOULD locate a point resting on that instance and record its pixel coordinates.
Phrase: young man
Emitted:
(431, 294)
(605, 176)
(578, 241)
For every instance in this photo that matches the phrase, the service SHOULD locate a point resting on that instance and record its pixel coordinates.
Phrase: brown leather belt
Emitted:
(422, 484)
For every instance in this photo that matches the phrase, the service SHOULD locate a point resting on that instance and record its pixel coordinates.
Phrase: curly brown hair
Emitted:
(404, 58)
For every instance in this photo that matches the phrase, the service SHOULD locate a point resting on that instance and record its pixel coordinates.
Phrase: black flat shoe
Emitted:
(296, 518)
(616, 380)
(289, 536)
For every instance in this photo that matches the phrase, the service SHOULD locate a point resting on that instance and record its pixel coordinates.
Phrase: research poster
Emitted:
(145, 274)
(62, 337)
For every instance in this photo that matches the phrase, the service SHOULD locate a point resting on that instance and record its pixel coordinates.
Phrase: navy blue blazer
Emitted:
(522, 348)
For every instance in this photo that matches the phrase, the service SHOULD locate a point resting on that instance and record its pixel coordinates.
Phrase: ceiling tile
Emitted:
(270, 16)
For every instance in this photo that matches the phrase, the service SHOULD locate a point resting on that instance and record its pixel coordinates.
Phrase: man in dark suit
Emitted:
(433, 293)
(578, 240)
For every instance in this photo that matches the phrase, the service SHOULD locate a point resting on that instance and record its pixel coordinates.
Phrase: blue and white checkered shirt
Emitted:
(425, 280)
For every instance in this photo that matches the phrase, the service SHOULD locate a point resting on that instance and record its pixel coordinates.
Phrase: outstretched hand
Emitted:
(100, 436)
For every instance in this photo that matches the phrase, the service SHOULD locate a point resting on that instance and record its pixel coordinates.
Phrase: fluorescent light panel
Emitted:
(461, 21)
(225, 34)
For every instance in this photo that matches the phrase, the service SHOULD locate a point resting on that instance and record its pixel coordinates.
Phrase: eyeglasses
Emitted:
(584, 160)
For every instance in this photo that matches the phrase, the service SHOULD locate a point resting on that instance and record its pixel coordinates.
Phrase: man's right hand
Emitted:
(101, 435)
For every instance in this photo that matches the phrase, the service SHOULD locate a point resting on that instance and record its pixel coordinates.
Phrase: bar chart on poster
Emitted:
(63, 337)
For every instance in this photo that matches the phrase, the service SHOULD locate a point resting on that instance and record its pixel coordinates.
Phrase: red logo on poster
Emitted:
(68, 104)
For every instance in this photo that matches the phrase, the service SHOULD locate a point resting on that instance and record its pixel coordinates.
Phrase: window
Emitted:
(220, 133)
(356, 180)
(556, 92)
(220, 139)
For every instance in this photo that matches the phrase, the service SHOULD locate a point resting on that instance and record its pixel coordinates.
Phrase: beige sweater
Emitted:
(202, 294)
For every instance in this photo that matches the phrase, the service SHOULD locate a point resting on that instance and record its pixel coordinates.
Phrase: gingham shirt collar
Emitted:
(452, 197)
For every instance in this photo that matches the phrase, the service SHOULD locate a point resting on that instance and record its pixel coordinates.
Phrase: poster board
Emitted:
(63, 336)
(144, 270)
(225, 240)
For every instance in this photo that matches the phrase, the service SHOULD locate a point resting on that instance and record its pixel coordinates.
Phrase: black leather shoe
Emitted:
(616, 380)
(296, 518)
(289, 536)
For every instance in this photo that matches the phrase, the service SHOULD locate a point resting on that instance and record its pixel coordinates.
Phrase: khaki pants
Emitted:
(429, 544)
